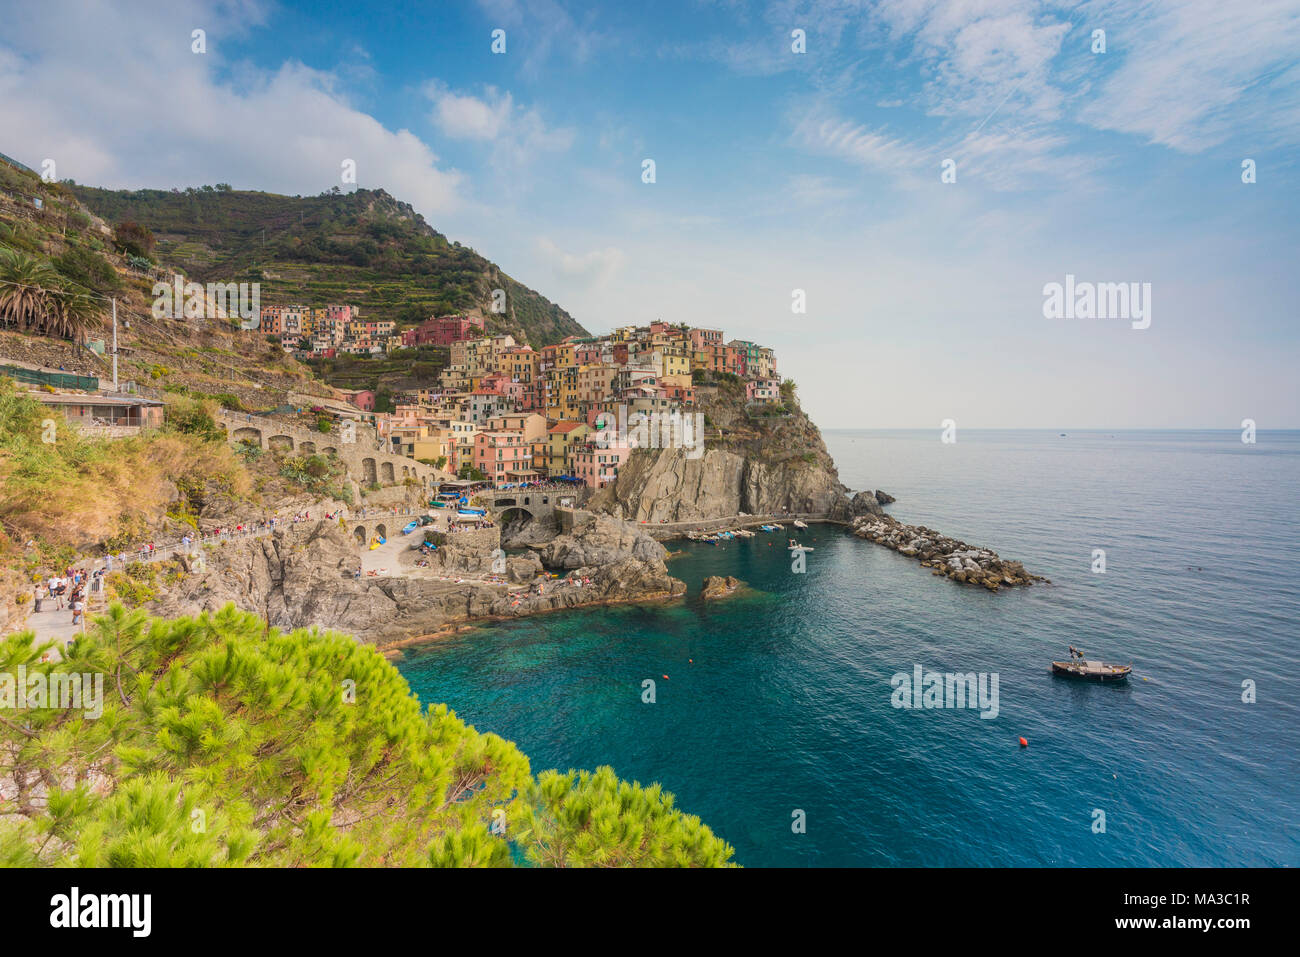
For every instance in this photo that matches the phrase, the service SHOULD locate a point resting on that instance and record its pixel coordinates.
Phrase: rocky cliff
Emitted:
(758, 461)
(303, 576)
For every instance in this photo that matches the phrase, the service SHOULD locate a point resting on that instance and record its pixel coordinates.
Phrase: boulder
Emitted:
(719, 586)
(865, 503)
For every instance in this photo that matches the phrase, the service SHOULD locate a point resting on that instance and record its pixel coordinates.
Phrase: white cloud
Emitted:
(1193, 74)
(160, 115)
(519, 136)
(819, 131)
(585, 269)
(468, 117)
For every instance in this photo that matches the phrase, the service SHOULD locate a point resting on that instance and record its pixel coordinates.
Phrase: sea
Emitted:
(778, 714)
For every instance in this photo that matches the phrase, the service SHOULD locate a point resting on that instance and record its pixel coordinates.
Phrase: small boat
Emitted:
(799, 524)
(409, 527)
(768, 528)
(778, 527)
(796, 547)
(1080, 667)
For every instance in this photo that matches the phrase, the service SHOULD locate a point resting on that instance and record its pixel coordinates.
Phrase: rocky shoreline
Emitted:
(305, 577)
(954, 559)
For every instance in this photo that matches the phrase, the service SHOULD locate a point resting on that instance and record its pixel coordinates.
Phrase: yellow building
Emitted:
(561, 439)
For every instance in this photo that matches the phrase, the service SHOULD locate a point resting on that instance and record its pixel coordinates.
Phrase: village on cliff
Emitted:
(506, 413)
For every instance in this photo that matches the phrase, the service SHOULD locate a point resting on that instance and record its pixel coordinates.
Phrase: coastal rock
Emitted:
(304, 576)
(669, 486)
(960, 562)
(598, 540)
(756, 464)
(719, 586)
(884, 498)
(865, 503)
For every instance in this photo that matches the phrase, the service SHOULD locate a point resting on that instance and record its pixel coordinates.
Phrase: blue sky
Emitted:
(775, 171)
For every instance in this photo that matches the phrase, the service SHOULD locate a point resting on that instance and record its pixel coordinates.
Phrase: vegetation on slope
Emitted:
(70, 261)
(361, 247)
(60, 490)
(224, 743)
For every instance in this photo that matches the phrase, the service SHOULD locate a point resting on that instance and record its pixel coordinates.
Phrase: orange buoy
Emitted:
(1024, 743)
(691, 660)
(666, 678)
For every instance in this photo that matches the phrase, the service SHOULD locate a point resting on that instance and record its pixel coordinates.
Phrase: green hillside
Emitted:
(362, 247)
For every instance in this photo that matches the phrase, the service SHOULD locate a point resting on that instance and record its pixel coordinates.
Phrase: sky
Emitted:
(917, 172)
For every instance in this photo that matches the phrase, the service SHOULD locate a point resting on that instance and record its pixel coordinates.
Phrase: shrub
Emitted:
(134, 239)
(223, 713)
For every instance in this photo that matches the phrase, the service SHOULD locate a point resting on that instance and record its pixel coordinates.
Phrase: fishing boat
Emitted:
(796, 547)
(777, 526)
(799, 524)
(1080, 666)
(769, 528)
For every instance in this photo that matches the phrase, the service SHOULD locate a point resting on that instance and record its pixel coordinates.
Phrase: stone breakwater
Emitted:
(967, 564)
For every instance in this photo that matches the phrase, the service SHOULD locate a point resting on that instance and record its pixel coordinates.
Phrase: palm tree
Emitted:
(35, 298)
(23, 283)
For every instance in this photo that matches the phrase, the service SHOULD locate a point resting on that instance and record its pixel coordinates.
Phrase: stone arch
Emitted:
(329, 450)
(359, 533)
(280, 443)
(382, 531)
(368, 472)
(307, 448)
(386, 470)
(247, 435)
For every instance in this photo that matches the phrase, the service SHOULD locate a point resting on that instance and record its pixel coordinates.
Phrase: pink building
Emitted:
(363, 399)
(762, 390)
(596, 466)
(702, 339)
(503, 456)
(444, 330)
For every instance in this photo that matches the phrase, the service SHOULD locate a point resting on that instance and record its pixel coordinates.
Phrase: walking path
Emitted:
(726, 524)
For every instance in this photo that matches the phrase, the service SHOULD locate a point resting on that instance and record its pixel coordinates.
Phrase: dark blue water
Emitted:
(787, 703)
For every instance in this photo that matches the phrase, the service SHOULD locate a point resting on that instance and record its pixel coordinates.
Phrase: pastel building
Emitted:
(503, 456)
(596, 466)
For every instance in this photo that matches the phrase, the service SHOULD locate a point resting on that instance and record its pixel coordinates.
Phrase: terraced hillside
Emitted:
(363, 247)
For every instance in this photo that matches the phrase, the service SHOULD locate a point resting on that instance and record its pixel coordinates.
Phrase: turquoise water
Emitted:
(787, 704)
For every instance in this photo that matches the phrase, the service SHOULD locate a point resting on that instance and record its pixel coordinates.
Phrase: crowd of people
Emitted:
(68, 591)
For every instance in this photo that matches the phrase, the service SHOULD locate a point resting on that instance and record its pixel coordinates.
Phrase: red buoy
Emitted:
(1024, 743)
(665, 677)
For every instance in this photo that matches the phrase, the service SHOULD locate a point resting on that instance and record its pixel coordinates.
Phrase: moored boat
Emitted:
(1080, 666)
